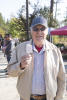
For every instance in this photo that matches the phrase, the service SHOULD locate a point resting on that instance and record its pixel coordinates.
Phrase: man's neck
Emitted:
(38, 48)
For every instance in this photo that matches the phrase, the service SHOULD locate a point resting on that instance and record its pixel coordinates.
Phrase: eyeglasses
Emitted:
(37, 29)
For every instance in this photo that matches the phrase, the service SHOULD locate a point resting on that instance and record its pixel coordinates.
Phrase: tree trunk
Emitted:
(27, 27)
(51, 12)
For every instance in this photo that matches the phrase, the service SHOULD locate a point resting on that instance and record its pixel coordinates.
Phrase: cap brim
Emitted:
(38, 24)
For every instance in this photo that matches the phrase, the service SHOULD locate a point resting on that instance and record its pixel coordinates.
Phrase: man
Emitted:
(1, 41)
(8, 46)
(38, 65)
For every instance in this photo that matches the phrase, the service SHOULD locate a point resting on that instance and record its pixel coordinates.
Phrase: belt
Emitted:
(38, 97)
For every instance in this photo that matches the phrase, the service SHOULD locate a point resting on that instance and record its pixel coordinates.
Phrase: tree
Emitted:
(27, 18)
(3, 25)
(2, 32)
(64, 21)
(18, 27)
(13, 28)
(51, 13)
(2, 22)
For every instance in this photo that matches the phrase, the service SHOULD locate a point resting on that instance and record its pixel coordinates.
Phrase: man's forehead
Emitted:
(39, 26)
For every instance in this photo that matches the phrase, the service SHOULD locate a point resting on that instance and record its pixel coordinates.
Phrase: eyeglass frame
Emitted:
(35, 29)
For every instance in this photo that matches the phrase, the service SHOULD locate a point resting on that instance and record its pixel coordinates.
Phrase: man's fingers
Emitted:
(26, 57)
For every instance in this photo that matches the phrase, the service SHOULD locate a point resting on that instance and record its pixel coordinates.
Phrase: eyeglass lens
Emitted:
(37, 29)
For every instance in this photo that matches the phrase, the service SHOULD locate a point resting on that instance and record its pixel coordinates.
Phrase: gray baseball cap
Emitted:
(39, 20)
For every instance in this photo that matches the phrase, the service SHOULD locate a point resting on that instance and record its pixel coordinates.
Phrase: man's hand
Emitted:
(25, 61)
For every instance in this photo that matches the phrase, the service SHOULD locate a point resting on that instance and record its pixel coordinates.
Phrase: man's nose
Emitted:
(39, 31)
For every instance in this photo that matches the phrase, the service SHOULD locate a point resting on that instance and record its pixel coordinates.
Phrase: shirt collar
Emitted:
(34, 48)
(46, 46)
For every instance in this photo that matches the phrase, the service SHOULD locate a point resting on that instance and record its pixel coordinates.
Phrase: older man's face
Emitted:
(39, 35)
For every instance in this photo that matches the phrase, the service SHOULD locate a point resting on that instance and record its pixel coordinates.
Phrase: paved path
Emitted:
(8, 89)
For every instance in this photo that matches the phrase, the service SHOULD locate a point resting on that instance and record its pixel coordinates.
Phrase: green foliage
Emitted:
(60, 45)
(13, 27)
(17, 26)
(55, 39)
(45, 12)
(65, 21)
(2, 22)
(54, 23)
(60, 40)
(21, 21)
(3, 25)
(2, 32)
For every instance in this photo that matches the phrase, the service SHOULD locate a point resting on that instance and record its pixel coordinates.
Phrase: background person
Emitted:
(1, 41)
(8, 46)
(38, 65)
